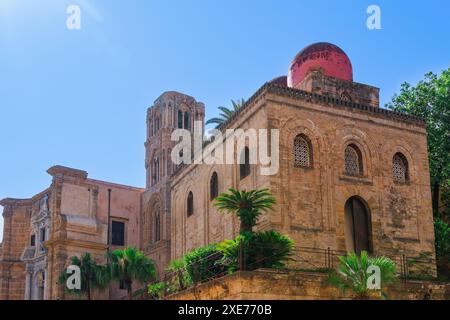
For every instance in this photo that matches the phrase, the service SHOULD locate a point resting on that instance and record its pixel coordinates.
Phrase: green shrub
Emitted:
(268, 249)
(352, 273)
(180, 279)
(204, 263)
(156, 290)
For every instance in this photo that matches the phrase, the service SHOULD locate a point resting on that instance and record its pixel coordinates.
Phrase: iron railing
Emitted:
(307, 259)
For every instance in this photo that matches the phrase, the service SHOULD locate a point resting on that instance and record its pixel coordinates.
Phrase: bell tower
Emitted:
(172, 110)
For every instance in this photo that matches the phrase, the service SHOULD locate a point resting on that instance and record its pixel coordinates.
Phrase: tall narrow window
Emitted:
(43, 234)
(157, 225)
(117, 233)
(156, 125)
(42, 238)
(214, 186)
(169, 162)
(180, 119)
(190, 204)
(400, 168)
(155, 173)
(33, 240)
(187, 120)
(353, 161)
(244, 167)
(302, 152)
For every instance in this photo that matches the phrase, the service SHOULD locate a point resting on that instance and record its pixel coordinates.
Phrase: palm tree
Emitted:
(247, 206)
(93, 276)
(226, 113)
(131, 265)
(352, 273)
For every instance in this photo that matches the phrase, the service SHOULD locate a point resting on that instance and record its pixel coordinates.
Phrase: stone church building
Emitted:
(352, 176)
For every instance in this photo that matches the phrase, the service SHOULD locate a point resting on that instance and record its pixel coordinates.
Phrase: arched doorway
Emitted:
(358, 230)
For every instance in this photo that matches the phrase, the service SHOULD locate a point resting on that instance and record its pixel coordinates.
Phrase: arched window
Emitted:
(180, 119)
(157, 227)
(400, 168)
(353, 161)
(214, 186)
(190, 204)
(302, 152)
(244, 167)
(187, 120)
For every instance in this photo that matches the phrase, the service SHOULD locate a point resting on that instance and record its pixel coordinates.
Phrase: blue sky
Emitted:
(79, 98)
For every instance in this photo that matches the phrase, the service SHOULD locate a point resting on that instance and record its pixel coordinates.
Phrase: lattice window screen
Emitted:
(352, 163)
(302, 152)
(399, 169)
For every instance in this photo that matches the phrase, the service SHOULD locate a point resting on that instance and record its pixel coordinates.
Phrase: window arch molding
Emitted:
(148, 227)
(353, 161)
(289, 132)
(406, 150)
(367, 150)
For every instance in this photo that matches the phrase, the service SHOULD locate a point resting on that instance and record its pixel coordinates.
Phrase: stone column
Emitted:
(28, 277)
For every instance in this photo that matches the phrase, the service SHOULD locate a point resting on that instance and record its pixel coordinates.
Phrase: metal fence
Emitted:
(306, 259)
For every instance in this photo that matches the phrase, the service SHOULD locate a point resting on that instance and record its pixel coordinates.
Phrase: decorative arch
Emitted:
(353, 160)
(366, 146)
(154, 205)
(412, 159)
(306, 127)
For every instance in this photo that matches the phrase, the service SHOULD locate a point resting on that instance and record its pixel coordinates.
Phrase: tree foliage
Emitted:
(267, 249)
(442, 239)
(226, 113)
(92, 276)
(129, 265)
(247, 205)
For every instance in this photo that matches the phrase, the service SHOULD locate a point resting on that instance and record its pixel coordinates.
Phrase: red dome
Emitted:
(325, 57)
